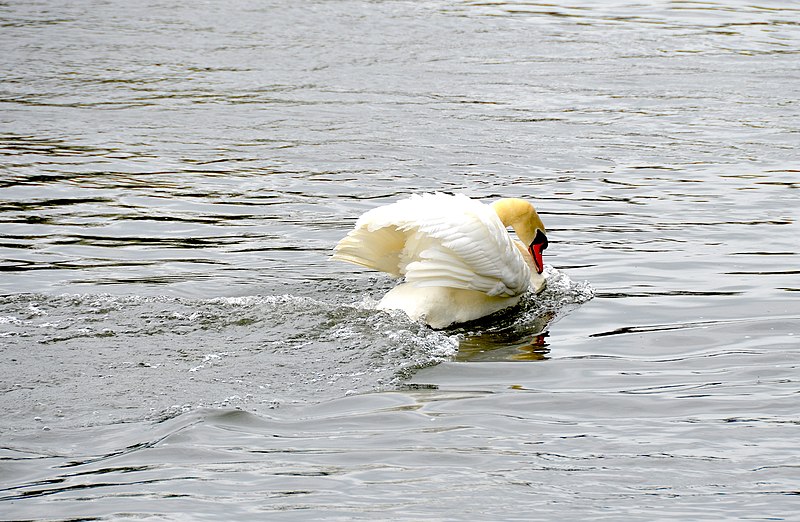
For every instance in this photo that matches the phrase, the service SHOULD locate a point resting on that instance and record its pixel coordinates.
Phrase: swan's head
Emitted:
(522, 217)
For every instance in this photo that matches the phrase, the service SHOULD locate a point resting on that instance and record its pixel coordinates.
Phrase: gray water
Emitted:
(177, 345)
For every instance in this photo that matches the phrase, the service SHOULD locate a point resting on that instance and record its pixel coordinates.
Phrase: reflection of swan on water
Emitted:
(507, 342)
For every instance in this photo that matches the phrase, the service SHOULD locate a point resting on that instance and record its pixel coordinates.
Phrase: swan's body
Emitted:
(458, 260)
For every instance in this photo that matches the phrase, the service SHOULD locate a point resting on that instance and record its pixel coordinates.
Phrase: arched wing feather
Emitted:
(438, 240)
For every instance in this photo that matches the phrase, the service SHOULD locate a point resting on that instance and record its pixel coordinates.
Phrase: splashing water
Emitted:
(148, 357)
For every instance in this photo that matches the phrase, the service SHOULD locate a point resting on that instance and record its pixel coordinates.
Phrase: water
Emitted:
(176, 343)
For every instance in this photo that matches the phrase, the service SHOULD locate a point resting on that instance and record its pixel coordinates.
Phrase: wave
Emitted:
(79, 359)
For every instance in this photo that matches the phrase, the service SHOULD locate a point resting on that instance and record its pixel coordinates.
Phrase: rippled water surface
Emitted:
(176, 343)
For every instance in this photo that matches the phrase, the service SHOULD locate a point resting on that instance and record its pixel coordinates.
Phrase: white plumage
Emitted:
(455, 253)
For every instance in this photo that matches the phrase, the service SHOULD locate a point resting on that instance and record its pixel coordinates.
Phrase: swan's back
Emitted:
(438, 240)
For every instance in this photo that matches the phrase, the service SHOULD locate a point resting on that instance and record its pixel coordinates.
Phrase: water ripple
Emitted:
(200, 161)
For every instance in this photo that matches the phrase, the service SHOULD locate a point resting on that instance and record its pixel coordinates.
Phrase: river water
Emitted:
(177, 345)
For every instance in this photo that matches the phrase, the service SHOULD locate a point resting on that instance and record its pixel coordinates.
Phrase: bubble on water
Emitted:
(35, 310)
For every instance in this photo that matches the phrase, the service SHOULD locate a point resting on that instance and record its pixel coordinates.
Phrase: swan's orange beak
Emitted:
(536, 248)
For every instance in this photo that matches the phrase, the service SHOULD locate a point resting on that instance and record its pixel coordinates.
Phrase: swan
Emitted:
(458, 261)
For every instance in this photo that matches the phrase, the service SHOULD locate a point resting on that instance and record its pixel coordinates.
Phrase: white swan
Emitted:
(457, 257)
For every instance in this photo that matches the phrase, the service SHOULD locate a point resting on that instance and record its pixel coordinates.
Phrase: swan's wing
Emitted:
(377, 248)
(463, 244)
(438, 240)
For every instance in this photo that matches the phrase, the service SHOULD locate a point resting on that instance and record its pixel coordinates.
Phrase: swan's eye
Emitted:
(541, 240)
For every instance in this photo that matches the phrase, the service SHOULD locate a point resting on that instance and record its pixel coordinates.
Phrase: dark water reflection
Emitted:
(176, 343)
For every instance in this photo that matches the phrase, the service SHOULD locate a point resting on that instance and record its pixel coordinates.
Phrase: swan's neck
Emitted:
(521, 216)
